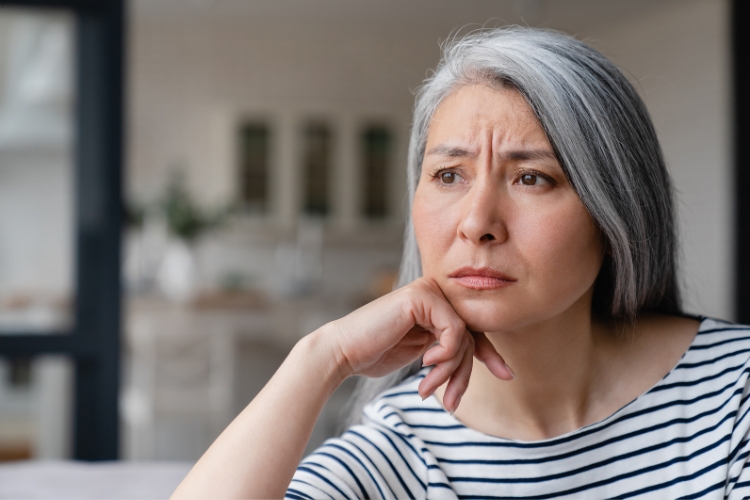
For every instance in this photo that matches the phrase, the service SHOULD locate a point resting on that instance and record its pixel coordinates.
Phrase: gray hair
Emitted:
(605, 142)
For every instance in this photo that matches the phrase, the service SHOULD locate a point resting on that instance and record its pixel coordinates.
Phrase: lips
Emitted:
(483, 278)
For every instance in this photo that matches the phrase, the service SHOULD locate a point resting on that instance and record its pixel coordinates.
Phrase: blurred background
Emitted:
(263, 188)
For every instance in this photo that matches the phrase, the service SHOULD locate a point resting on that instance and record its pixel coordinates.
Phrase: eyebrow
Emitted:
(513, 155)
(451, 151)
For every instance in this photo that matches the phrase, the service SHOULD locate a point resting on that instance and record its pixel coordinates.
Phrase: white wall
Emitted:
(193, 80)
(194, 72)
(36, 159)
(678, 55)
(36, 213)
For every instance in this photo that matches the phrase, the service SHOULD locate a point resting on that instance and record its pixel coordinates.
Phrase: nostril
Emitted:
(488, 237)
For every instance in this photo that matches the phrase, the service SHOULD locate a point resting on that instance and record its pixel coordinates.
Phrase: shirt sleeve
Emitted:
(366, 462)
(738, 477)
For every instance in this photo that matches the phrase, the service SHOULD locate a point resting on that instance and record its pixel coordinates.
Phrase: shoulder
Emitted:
(381, 458)
(720, 358)
(399, 401)
(718, 343)
(718, 354)
(697, 346)
(709, 380)
(402, 410)
(719, 327)
(715, 369)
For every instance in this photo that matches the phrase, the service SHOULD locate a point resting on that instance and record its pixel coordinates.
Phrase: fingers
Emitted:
(458, 382)
(449, 336)
(485, 352)
(442, 371)
(435, 354)
(384, 335)
(433, 312)
(457, 369)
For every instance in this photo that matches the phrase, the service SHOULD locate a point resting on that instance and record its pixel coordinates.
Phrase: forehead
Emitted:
(477, 114)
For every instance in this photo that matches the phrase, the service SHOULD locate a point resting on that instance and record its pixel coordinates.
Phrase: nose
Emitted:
(482, 220)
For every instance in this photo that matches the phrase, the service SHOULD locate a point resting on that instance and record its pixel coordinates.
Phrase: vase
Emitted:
(177, 277)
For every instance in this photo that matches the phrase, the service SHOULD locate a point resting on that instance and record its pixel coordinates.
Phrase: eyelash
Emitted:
(435, 174)
(535, 173)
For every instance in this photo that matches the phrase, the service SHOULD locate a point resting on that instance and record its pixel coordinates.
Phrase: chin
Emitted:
(485, 315)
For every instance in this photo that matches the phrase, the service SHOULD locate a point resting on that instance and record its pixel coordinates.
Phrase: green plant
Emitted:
(184, 218)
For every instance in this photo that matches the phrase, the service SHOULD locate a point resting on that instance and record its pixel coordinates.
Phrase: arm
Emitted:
(256, 456)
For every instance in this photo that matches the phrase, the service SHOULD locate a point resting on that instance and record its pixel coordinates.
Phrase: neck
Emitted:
(558, 367)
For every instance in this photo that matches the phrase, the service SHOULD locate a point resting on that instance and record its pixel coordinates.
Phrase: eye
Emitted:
(447, 177)
(534, 179)
(529, 179)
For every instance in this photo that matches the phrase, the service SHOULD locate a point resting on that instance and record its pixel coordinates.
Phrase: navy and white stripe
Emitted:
(687, 437)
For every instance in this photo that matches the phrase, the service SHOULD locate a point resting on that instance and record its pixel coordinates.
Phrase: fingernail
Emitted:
(510, 371)
(458, 402)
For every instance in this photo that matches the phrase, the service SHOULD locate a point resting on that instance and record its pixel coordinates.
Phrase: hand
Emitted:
(396, 329)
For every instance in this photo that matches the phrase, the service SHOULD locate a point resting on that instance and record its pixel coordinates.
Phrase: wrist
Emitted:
(319, 349)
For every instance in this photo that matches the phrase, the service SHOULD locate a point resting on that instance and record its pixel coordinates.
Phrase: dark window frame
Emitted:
(255, 199)
(740, 20)
(94, 342)
(376, 202)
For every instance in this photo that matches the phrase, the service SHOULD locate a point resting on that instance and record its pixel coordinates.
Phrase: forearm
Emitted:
(256, 456)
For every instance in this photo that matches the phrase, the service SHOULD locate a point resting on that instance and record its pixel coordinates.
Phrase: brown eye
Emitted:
(529, 179)
(448, 177)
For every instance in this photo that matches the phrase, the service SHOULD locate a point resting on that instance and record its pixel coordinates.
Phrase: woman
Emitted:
(539, 290)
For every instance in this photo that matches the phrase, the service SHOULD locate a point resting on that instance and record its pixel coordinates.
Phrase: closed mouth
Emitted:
(483, 278)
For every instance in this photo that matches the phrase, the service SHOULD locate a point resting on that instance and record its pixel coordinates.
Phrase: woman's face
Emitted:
(499, 227)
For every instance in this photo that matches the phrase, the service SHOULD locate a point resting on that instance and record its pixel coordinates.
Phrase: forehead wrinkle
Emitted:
(519, 138)
(506, 131)
(527, 154)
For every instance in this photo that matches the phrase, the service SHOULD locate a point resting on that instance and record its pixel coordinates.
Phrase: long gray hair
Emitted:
(605, 142)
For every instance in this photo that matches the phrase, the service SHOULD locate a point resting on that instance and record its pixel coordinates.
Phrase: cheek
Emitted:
(565, 246)
(434, 229)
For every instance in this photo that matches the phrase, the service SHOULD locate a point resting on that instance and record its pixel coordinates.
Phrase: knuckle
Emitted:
(421, 283)
(407, 291)
(413, 293)
(408, 295)
(459, 324)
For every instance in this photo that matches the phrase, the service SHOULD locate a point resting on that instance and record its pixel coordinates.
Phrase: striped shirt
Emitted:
(686, 437)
